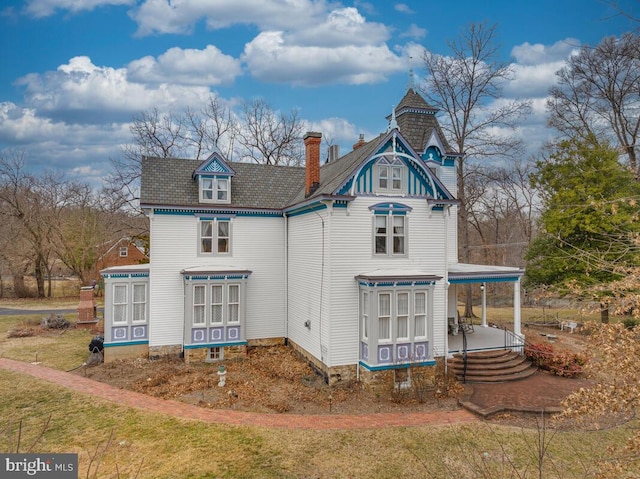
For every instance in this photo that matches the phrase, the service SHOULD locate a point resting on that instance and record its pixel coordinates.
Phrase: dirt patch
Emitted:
(267, 380)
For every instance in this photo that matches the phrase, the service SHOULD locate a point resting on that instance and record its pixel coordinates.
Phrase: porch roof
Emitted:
(481, 273)
(218, 270)
(126, 269)
(399, 276)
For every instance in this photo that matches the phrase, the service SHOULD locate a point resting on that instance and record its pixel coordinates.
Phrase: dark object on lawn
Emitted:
(97, 344)
(56, 321)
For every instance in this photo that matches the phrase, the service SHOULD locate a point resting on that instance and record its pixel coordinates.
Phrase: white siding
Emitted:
(309, 295)
(350, 234)
(257, 244)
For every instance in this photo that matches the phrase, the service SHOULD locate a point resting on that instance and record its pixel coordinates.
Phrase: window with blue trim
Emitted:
(214, 236)
(390, 234)
(391, 174)
(215, 189)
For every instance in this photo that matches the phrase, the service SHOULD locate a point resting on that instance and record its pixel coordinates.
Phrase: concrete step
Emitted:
(530, 371)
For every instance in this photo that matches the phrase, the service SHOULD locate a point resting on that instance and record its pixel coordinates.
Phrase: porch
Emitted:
(483, 338)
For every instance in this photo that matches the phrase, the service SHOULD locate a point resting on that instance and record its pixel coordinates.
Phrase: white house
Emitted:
(352, 262)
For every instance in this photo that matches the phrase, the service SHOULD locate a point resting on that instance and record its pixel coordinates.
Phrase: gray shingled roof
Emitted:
(169, 182)
(417, 120)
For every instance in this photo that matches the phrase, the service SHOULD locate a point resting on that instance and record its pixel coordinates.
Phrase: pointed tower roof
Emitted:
(417, 121)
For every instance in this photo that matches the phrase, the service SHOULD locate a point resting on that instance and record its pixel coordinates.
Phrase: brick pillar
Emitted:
(87, 306)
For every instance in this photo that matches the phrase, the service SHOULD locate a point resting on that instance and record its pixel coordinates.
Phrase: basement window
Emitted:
(215, 354)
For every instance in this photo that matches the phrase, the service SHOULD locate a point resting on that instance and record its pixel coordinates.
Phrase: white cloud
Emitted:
(414, 31)
(403, 8)
(81, 92)
(343, 26)
(81, 151)
(186, 66)
(269, 58)
(163, 16)
(45, 8)
(528, 54)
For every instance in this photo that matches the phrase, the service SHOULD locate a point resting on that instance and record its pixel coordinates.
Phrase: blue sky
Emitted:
(74, 72)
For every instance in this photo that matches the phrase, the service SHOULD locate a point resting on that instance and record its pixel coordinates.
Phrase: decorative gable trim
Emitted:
(214, 165)
(421, 182)
(393, 208)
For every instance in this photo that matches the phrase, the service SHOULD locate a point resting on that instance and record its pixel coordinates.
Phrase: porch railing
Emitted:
(513, 341)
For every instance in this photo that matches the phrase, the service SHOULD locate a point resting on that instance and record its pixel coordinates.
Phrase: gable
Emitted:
(393, 149)
(214, 165)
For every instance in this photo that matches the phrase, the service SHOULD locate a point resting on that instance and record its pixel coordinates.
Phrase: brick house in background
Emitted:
(121, 252)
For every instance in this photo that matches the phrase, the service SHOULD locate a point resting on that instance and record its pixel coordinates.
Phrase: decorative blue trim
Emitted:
(388, 284)
(431, 362)
(394, 208)
(215, 277)
(129, 343)
(307, 209)
(214, 165)
(227, 211)
(125, 275)
(214, 345)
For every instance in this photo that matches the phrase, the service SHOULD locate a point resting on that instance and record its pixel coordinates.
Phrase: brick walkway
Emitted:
(223, 416)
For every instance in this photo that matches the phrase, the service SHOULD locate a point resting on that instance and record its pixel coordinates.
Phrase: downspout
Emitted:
(286, 279)
(446, 288)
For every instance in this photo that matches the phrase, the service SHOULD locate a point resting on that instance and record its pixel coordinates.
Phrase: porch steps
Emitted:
(492, 366)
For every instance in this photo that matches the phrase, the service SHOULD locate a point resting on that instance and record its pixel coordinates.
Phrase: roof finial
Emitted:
(393, 124)
(411, 85)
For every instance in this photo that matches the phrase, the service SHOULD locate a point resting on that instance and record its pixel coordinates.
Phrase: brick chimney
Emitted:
(360, 142)
(312, 142)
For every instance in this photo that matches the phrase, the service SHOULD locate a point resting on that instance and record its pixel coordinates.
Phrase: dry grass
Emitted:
(169, 448)
(164, 447)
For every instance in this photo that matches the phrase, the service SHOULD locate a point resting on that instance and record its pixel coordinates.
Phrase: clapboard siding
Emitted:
(308, 278)
(257, 245)
(351, 255)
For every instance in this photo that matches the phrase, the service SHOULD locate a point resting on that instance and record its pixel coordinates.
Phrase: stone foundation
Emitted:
(200, 354)
(265, 342)
(114, 353)
(331, 375)
(171, 350)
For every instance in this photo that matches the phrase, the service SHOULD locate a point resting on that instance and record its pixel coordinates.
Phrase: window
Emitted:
(391, 174)
(124, 251)
(402, 316)
(215, 232)
(199, 304)
(119, 303)
(215, 354)
(420, 315)
(216, 304)
(384, 317)
(234, 303)
(389, 241)
(139, 303)
(214, 189)
(365, 315)
(398, 234)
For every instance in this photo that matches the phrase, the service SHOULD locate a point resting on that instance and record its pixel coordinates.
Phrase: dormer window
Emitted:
(214, 189)
(214, 180)
(391, 176)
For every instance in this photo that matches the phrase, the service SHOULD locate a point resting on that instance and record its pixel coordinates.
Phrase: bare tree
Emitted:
(597, 96)
(30, 204)
(268, 136)
(466, 87)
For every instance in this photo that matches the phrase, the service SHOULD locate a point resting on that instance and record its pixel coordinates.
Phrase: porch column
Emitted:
(517, 328)
(483, 288)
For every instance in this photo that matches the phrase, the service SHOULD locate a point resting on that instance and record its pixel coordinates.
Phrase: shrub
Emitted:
(560, 363)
